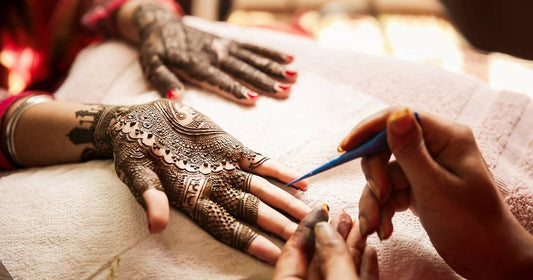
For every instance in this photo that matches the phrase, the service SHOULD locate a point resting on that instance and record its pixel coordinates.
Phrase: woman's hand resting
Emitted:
(165, 149)
(171, 50)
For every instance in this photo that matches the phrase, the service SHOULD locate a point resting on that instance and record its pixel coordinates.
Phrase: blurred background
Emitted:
(413, 30)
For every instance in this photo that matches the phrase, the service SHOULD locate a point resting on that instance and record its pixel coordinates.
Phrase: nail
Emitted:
(401, 122)
(325, 207)
(325, 230)
(149, 227)
(252, 94)
(172, 93)
(321, 225)
(340, 149)
(282, 87)
(317, 214)
(290, 73)
(288, 58)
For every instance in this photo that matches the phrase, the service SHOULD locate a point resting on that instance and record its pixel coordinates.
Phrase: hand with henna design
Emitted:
(167, 148)
(171, 51)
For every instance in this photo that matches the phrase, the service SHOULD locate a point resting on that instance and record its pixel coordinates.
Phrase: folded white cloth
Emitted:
(79, 221)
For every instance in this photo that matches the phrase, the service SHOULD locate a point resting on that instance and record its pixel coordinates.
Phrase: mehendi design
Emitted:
(200, 57)
(173, 148)
(84, 134)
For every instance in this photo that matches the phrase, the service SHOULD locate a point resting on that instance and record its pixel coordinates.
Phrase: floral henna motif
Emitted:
(200, 57)
(173, 148)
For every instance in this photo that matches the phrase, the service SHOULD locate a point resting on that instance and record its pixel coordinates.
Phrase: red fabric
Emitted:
(5, 164)
(41, 38)
(101, 14)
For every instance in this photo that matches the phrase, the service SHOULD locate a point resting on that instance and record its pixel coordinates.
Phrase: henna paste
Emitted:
(85, 133)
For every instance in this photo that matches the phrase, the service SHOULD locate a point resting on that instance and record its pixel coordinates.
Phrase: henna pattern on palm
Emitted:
(173, 148)
(169, 46)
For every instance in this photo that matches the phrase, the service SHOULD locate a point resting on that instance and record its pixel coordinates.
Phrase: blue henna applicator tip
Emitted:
(374, 145)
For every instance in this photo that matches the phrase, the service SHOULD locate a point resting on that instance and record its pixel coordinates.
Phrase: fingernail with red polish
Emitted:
(282, 87)
(290, 73)
(172, 93)
(252, 94)
(289, 58)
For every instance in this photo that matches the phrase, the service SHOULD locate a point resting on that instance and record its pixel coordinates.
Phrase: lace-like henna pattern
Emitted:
(85, 133)
(195, 161)
(197, 56)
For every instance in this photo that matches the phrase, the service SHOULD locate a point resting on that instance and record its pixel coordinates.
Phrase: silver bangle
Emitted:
(12, 124)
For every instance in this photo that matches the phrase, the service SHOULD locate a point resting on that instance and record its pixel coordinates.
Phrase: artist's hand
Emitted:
(168, 152)
(171, 49)
(440, 174)
(318, 251)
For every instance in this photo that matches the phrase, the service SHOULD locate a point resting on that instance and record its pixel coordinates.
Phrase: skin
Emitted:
(172, 52)
(319, 250)
(439, 173)
(495, 25)
(52, 122)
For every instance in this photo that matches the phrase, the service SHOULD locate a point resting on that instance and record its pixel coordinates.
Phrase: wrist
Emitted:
(511, 253)
(128, 26)
(16, 106)
(102, 138)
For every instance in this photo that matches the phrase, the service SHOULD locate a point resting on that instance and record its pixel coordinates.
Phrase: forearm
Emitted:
(127, 28)
(54, 132)
(495, 25)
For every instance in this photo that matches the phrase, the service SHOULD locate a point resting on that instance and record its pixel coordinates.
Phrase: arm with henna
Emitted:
(172, 52)
(170, 149)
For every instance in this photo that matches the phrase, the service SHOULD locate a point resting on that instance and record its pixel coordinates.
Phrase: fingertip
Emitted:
(282, 90)
(250, 98)
(401, 122)
(369, 264)
(302, 185)
(342, 223)
(264, 250)
(290, 75)
(288, 58)
(157, 210)
(175, 94)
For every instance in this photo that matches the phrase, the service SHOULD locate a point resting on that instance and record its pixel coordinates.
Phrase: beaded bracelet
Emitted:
(13, 121)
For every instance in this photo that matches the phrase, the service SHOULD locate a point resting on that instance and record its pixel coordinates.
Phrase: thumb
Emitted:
(157, 210)
(406, 142)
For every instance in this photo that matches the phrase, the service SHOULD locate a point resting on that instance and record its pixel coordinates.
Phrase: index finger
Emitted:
(296, 254)
(365, 129)
(334, 257)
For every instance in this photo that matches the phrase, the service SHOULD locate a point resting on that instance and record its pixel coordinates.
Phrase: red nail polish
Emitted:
(252, 94)
(149, 227)
(289, 58)
(290, 73)
(171, 93)
(284, 87)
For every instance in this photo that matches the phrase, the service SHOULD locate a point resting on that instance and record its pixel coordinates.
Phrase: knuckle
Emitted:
(334, 246)
(409, 149)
